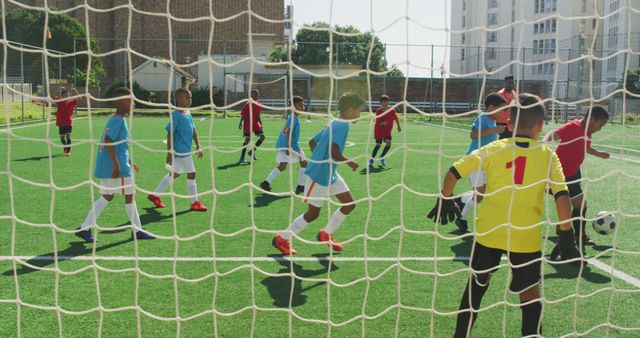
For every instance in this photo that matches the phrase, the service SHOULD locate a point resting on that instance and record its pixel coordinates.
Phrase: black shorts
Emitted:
(384, 139)
(575, 189)
(255, 132)
(62, 130)
(506, 133)
(485, 260)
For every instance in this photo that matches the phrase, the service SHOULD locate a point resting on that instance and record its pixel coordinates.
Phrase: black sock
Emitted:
(69, 142)
(577, 223)
(260, 140)
(466, 318)
(63, 140)
(375, 151)
(244, 149)
(531, 319)
(385, 150)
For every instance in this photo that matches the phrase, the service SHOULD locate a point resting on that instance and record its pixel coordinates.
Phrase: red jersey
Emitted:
(64, 113)
(251, 117)
(390, 117)
(574, 142)
(509, 96)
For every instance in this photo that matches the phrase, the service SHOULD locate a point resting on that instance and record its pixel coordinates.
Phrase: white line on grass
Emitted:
(593, 262)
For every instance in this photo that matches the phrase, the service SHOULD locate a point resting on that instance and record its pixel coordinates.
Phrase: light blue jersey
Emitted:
(118, 132)
(291, 130)
(181, 129)
(320, 170)
(482, 123)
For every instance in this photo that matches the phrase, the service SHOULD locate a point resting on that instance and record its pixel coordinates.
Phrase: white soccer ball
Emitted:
(605, 223)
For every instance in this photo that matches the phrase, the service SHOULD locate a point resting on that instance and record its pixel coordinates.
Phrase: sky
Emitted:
(408, 41)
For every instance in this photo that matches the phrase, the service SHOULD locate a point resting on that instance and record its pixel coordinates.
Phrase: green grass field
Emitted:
(216, 273)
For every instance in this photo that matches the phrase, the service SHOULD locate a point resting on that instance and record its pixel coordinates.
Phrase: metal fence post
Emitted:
(431, 87)
(22, 81)
(224, 78)
(74, 64)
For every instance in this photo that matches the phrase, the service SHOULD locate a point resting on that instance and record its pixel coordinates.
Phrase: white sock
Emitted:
(94, 213)
(166, 180)
(296, 226)
(334, 222)
(274, 173)
(193, 190)
(301, 178)
(132, 213)
(468, 207)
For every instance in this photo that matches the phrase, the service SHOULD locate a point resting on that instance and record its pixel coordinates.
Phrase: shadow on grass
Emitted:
(74, 250)
(263, 200)
(373, 170)
(287, 291)
(36, 158)
(151, 215)
(568, 271)
(462, 248)
(231, 166)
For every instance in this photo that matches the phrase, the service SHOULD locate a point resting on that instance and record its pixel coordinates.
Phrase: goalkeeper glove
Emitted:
(446, 209)
(566, 248)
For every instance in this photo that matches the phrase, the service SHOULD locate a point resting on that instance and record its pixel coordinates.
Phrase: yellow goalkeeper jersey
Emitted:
(518, 172)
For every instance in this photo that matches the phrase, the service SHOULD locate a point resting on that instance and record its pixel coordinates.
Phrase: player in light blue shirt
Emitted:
(181, 134)
(323, 180)
(113, 168)
(484, 131)
(289, 150)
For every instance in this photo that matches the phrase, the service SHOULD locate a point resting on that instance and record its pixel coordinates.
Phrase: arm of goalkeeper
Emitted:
(446, 210)
(566, 248)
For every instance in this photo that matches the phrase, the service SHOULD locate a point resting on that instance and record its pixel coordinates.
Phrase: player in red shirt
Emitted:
(64, 117)
(250, 115)
(509, 94)
(575, 142)
(383, 128)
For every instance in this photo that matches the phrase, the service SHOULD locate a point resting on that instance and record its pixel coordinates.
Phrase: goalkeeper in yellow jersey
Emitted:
(518, 172)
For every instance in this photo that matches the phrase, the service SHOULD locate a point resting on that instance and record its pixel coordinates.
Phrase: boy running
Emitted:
(484, 131)
(64, 117)
(518, 171)
(181, 132)
(575, 142)
(289, 151)
(113, 168)
(323, 181)
(250, 122)
(382, 131)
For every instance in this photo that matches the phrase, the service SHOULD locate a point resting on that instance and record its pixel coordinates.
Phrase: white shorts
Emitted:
(120, 185)
(477, 178)
(315, 194)
(182, 165)
(293, 157)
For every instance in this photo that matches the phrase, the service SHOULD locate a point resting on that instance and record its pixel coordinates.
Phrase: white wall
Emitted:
(156, 77)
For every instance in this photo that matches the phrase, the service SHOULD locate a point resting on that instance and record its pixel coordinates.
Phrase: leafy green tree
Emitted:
(633, 81)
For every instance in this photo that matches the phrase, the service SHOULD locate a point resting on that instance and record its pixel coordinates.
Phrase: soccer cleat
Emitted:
(383, 163)
(265, 186)
(300, 189)
(463, 227)
(85, 235)
(197, 206)
(283, 245)
(324, 237)
(141, 235)
(67, 151)
(156, 200)
(242, 161)
(371, 162)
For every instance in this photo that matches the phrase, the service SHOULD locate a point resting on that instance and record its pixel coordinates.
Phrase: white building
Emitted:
(492, 35)
(155, 75)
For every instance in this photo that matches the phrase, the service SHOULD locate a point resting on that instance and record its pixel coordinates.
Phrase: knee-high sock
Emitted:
(193, 190)
(94, 213)
(132, 213)
(335, 221)
(68, 138)
(272, 176)
(244, 148)
(259, 143)
(375, 151)
(385, 150)
(531, 325)
(301, 177)
(466, 318)
(579, 222)
(166, 180)
(470, 205)
(296, 226)
(63, 139)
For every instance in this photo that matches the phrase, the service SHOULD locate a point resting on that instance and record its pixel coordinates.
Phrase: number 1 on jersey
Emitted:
(520, 164)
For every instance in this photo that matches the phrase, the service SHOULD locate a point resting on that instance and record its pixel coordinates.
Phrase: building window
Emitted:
(584, 6)
(462, 54)
(535, 28)
(464, 21)
(490, 53)
(553, 25)
(464, 5)
(613, 38)
(536, 6)
(493, 3)
(492, 36)
(464, 38)
(492, 19)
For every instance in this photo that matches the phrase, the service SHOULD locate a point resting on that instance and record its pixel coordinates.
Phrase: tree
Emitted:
(65, 31)
(633, 81)
(395, 72)
(311, 47)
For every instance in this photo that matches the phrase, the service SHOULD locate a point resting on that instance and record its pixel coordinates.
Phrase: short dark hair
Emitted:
(384, 98)
(529, 113)
(63, 90)
(298, 99)
(181, 92)
(494, 99)
(508, 77)
(598, 113)
(255, 91)
(349, 100)
(121, 91)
